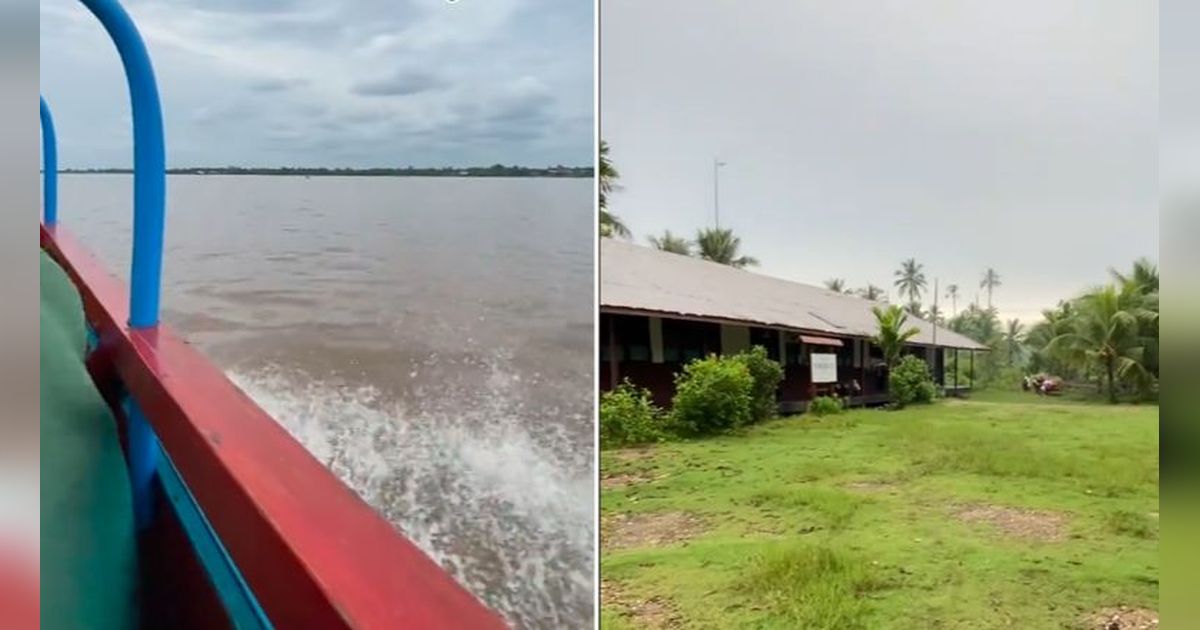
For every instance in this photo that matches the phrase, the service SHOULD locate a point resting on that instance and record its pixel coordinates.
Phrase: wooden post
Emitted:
(972, 379)
(956, 371)
(862, 366)
(940, 367)
(613, 365)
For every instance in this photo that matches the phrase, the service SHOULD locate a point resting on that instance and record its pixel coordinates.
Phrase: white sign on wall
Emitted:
(824, 368)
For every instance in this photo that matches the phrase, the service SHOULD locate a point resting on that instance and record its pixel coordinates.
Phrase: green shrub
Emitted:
(910, 382)
(767, 375)
(628, 416)
(825, 405)
(713, 395)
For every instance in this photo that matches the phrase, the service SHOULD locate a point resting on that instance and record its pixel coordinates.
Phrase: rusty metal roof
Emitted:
(643, 279)
(821, 341)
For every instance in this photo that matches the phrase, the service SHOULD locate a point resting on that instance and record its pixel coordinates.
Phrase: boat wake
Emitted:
(495, 494)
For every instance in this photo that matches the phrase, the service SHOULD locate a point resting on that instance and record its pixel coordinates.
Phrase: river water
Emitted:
(428, 339)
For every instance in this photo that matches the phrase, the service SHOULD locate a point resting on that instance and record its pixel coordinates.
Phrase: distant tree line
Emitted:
(495, 170)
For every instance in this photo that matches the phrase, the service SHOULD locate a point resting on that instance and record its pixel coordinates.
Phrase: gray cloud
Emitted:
(275, 84)
(346, 83)
(402, 83)
(237, 6)
(1021, 136)
(526, 99)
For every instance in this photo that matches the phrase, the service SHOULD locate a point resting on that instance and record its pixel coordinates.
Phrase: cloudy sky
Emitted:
(1017, 135)
(333, 82)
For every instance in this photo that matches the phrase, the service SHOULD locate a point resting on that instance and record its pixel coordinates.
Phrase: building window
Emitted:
(845, 354)
(767, 338)
(633, 337)
(795, 352)
(685, 340)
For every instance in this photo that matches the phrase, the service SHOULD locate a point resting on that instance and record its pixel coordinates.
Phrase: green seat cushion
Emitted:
(88, 544)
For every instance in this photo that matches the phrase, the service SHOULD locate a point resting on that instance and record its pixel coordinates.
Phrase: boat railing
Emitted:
(49, 166)
(149, 213)
(281, 539)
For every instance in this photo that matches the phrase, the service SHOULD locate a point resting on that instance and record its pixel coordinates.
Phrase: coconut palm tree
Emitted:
(669, 242)
(952, 293)
(872, 292)
(935, 315)
(978, 324)
(1143, 281)
(837, 285)
(990, 281)
(1014, 336)
(1106, 332)
(915, 309)
(1055, 321)
(610, 224)
(892, 332)
(720, 245)
(1144, 276)
(910, 279)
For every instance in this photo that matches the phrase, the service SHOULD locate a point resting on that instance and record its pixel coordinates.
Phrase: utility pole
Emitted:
(935, 313)
(717, 164)
(937, 352)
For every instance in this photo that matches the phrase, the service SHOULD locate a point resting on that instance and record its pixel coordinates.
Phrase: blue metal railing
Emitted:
(149, 162)
(145, 459)
(49, 167)
(149, 199)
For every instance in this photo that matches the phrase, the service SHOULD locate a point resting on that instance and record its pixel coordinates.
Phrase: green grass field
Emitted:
(1005, 511)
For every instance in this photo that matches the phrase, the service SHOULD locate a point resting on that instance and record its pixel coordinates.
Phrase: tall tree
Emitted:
(669, 242)
(1143, 281)
(872, 292)
(893, 332)
(952, 293)
(720, 245)
(1014, 335)
(1107, 332)
(935, 315)
(1144, 276)
(910, 279)
(979, 324)
(1055, 321)
(837, 285)
(610, 224)
(990, 281)
(915, 309)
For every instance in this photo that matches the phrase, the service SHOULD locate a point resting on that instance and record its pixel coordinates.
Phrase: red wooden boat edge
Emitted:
(20, 591)
(312, 551)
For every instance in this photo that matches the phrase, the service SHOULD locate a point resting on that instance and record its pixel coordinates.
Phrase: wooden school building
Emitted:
(660, 310)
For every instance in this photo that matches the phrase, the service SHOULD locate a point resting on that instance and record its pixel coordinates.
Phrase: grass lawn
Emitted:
(1001, 511)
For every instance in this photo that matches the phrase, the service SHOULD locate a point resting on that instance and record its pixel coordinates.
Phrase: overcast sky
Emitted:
(333, 82)
(1016, 135)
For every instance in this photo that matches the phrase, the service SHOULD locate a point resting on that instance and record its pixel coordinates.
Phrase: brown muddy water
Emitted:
(428, 339)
